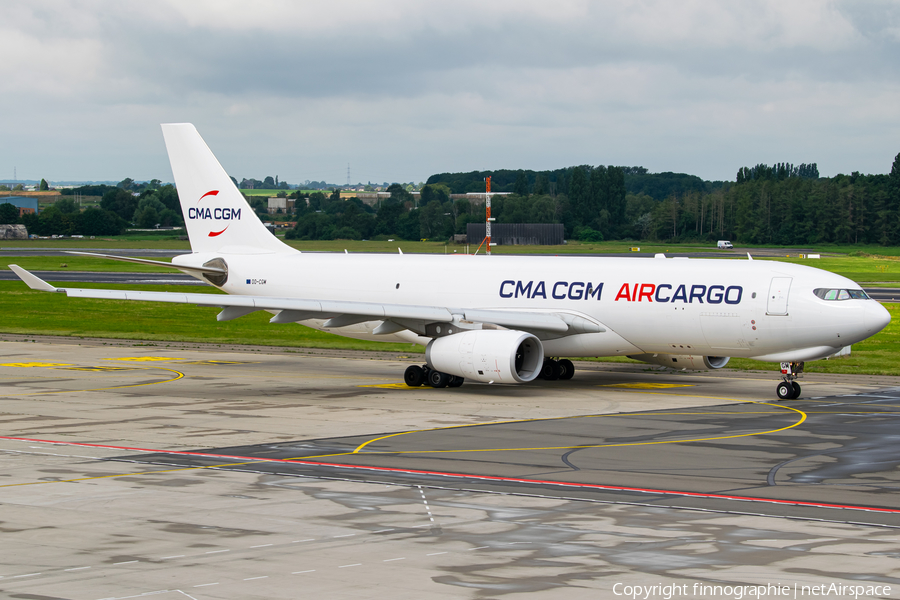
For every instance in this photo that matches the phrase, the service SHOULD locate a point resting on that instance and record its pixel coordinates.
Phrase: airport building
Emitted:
(522, 234)
(25, 205)
(285, 205)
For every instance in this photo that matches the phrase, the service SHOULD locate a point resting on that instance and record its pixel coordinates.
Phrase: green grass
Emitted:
(79, 263)
(38, 313)
(274, 193)
(28, 312)
(168, 241)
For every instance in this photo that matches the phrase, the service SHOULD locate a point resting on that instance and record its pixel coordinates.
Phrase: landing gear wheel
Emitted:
(796, 387)
(567, 369)
(455, 381)
(550, 370)
(414, 376)
(785, 390)
(436, 379)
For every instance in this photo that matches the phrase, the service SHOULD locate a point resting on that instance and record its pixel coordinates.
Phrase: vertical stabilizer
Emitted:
(216, 216)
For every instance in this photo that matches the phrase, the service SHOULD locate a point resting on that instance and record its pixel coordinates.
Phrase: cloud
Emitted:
(404, 88)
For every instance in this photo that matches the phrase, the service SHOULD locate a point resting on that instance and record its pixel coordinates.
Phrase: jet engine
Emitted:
(683, 361)
(498, 356)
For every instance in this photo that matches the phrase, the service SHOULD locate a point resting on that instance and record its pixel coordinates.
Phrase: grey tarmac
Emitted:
(331, 479)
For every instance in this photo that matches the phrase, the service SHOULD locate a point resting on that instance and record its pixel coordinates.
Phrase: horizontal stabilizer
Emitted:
(156, 263)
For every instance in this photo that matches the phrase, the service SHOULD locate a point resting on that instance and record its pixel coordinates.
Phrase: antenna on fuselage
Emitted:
(749, 257)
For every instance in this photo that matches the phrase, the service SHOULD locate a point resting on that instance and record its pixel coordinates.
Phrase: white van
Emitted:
(725, 245)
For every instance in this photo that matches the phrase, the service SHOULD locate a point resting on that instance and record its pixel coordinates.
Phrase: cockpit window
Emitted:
(832, 294)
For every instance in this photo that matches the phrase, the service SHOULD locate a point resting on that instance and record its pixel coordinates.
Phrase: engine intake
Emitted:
(501, 356)
(684, 361)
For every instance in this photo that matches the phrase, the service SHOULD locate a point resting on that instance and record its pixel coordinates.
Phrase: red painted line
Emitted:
(210, 193)
(593, 486)
(215, 233)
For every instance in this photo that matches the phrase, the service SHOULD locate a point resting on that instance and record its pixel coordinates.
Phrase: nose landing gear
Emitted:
(789, 389)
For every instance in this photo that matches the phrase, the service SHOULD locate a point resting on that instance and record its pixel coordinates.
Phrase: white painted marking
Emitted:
(435, 553)
(260, 577)
(206, 584)
(308, 540)
(393, 559)
(383, 530)
(299, 572)
(167, 557)
(478, 548)
(345, 535)
(76, 569)
(217, 551)
(29, 575)
(127, 562)
(353, 565)
(262, 546)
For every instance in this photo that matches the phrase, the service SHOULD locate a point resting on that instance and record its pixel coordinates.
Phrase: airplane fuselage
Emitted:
(762, 309)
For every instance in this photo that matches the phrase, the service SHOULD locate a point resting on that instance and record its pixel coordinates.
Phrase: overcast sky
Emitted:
(402, 89)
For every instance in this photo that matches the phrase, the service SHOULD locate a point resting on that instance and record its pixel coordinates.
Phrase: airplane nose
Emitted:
(877, 317)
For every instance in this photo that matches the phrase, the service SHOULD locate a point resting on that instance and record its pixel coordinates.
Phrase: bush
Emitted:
(586, 234)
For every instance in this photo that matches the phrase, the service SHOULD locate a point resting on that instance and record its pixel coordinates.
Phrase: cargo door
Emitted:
(778, 296)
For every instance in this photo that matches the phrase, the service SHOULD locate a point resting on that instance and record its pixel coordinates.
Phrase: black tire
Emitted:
(455, 381)
(414, 376)
(785, 390)
(567, 369)
(550, 370)
(436, 379)
(796, 387)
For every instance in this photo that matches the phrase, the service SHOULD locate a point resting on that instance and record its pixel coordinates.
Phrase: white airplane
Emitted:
(503, 319)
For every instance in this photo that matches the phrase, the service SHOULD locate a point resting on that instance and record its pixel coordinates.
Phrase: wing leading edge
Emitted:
(340, 313)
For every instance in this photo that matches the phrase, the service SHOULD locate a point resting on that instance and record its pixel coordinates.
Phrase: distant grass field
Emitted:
(274, 193)
(27, 312)
(883, 268)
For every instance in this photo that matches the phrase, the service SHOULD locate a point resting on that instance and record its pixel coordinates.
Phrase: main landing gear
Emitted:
(552, 369)
(416, 376)
(789, 389)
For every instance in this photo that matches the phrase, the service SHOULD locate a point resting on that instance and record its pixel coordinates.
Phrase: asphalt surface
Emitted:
(135, 468)
(703, 457)
(174, 278)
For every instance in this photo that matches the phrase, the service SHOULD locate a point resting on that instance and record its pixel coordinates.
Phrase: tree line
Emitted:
(143, 205)
(779, 204)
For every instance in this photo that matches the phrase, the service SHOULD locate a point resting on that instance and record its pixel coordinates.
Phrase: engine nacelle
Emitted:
(684, 361)
(500, 356)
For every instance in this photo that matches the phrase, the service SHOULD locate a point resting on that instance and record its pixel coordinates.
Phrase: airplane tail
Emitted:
(216, 216)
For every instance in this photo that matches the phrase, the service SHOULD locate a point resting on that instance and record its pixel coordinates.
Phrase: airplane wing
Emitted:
(340, 313)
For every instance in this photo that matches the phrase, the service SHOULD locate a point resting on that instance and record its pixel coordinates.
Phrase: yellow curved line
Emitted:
(179, 375)
(802, 414)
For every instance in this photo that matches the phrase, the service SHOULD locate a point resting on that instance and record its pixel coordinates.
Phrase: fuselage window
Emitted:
(830, 294)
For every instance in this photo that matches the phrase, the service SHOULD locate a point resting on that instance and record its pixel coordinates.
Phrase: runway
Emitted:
(217, 473)
(173, 278)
